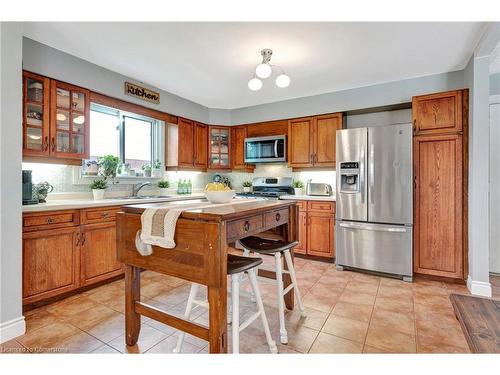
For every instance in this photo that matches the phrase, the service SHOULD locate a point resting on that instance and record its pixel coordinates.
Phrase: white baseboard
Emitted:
(479, 288)
(11, 329)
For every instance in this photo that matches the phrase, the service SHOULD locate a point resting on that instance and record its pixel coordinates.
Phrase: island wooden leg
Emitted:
(217, 315)
(287, 280)
(291, 234)
(132, 294)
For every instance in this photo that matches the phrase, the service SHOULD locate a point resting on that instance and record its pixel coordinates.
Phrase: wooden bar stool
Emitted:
(236, 266)
(259, 245)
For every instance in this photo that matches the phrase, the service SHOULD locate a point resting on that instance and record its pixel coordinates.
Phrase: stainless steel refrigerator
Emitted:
(374, 211)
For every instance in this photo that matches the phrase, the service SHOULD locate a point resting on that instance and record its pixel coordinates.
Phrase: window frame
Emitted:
(157, 127)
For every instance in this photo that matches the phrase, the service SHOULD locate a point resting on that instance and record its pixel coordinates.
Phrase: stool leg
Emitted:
(187, 314)
(255, 288)
(235, 302)
(281, 300)
(291, 270)
(246, 253)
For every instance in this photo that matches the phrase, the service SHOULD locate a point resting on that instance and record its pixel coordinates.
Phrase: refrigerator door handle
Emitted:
(362, 176)
(371, 172)
(373, 228)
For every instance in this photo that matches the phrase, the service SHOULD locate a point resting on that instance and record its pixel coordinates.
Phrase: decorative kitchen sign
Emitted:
(142, 93)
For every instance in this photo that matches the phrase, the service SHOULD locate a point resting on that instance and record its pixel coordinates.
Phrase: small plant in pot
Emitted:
(147, 170)
(247, 186)
(298, 187)
(156, 172)
(108, 166)
(163, 185)
(98, 187)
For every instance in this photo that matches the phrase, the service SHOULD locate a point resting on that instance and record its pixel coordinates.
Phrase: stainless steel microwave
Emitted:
(270, 149)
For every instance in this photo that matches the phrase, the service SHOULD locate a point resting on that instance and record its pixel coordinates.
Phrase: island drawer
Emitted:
(273, 219)
(239, 228)
(99, 215)
(321, 206)
(50, 220)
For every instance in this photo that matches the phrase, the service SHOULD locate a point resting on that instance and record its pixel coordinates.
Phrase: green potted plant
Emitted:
(163, 185)
(108, 166)
(156, 171)
(98, 187)
(298, 187)
(247, 186)
(147, 169)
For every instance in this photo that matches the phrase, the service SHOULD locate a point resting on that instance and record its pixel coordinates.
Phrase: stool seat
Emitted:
(237, 264)
(265, 246)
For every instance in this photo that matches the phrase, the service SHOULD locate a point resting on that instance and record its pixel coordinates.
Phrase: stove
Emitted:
(269, 188)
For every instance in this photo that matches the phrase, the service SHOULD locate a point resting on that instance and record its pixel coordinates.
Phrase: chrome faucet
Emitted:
(137, 187)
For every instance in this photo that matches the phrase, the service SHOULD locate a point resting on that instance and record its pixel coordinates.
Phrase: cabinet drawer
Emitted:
(49, 220)
(320, 206)
(99, 215)
(302, 205)
(273, 219)
(241, 228)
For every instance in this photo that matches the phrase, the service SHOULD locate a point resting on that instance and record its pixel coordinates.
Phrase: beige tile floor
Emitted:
(347, 312)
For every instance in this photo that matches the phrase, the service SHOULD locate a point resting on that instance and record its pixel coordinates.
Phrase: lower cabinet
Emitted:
(98, 253)
(50, 265)
(57, 260)
(316, 229)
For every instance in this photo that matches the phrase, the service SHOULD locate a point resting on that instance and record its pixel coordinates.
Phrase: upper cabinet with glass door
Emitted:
(219, 141)
(36, 129)
(69, 121)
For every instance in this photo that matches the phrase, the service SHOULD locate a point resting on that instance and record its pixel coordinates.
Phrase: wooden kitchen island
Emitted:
(202, 239)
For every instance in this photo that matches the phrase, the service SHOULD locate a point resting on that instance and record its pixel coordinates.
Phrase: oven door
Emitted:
(265, 149)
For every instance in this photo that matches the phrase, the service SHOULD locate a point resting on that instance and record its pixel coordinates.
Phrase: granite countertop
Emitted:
(77, 203)
(329, 198)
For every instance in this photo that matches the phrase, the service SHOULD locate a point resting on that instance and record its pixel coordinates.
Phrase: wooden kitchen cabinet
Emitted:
(98, 253)
(320, 234)
(62, 253)
(36, 115)
(200, 145)
(438, 113)
(50, 262)
(300, 142)
(186, 145)
(238, 135)
(55, 120)
(219, 141)
(311, 141)
(316, 229)
(438, 213)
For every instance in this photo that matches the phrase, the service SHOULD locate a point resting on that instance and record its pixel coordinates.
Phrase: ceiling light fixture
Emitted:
(264, 70)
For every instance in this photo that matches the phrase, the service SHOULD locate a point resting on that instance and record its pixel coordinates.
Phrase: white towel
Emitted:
(158, 225)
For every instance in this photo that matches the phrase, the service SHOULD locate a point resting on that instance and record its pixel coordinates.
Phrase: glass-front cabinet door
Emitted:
(69, 121)
(219, 147)
(36, 128)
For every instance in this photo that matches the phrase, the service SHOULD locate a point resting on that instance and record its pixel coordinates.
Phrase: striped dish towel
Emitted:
(158, 225)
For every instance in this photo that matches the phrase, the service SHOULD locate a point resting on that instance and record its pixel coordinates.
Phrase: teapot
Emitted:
(41, 190)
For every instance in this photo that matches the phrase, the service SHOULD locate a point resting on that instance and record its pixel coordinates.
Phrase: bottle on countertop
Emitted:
(189, 187)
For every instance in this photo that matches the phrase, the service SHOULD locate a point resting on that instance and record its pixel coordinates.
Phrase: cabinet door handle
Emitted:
(50, 220)
(246, 226)
(77, 239)
(414, 125)
(83, 239)
(105, 214)
(53, 144)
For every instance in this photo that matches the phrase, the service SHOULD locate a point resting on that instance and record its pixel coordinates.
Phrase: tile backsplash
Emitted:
(62, 177)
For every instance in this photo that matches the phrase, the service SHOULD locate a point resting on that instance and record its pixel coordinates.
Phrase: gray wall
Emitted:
(363, 97)
(42, 59)
(11, 317)
(476, 77)
(495, 84)
(401, 116)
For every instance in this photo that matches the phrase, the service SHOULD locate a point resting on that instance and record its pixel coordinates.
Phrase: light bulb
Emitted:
(79, 120)
(255, 84)
(263, 70)
(282, 80)
(60, 117)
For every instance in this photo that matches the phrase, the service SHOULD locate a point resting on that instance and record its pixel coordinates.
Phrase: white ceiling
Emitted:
(211, 63)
